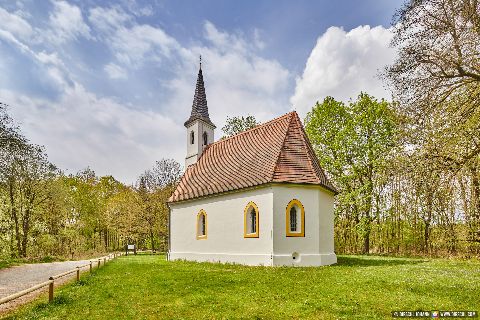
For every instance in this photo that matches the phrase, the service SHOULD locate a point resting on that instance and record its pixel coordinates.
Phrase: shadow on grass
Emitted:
(370, 261)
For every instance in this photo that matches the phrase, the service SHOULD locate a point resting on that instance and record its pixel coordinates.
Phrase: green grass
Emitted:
(364, 287)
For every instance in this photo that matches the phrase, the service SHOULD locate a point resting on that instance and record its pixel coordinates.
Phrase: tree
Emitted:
(436, 80)
(153, 189)
(352, 142)
(235, 125)
(439, 43)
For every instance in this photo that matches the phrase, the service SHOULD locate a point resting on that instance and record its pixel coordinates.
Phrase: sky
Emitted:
(109, 84)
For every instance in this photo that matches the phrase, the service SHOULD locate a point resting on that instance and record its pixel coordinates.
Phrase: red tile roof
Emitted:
(276, 151)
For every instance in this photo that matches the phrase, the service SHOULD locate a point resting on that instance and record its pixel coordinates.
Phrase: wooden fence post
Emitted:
(90, 266)
(78, 274)
(50, 290)
(104, 261)
(98, 263)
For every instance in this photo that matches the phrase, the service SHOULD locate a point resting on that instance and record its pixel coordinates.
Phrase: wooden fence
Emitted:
(51, 281)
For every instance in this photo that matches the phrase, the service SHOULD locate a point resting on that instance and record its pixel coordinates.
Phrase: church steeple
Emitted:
(200, 129)
(199, 106)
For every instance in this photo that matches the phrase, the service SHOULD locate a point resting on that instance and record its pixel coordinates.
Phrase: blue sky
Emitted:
(108, 84)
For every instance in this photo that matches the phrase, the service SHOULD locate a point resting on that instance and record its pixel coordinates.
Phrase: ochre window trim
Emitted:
(201, 236)
(302, 219)
(247, 234)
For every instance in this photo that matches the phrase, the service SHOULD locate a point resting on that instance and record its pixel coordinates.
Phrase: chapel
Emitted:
(259, 197)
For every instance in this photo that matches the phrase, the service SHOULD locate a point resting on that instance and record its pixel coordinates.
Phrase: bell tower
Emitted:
(200, 128)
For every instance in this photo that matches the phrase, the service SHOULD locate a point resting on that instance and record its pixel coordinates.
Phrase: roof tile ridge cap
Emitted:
(314, 162)
(254, 128)
(281, 147)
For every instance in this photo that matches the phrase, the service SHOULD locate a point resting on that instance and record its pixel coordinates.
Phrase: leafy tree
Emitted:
(235, 125)
(153, 188)
(353, 142)
(436, 80)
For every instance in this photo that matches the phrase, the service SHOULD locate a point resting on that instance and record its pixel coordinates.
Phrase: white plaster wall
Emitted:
(195, 150)
(316, 248)
(225, 234)
(326, 235)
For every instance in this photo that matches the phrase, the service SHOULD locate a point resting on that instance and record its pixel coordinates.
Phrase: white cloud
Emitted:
(108, 19)
(237, 80)
(15, 24)
(342, 64)
(131, 44)
(81, 129)
(67, 23)
(134, 45)
(223, 41)
(115, 72)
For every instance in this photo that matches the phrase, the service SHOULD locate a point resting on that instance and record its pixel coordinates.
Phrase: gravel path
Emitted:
(18, 278)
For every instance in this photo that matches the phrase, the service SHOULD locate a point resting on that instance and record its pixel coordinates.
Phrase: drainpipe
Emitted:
(169, 230)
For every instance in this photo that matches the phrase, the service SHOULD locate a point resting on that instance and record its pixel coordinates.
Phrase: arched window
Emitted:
(202, 225)
(250, 219)
(192, 137)
(295, 219)
(205, 138)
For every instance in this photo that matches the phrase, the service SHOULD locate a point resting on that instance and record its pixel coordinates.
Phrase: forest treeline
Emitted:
(409, 171)
(44, 212)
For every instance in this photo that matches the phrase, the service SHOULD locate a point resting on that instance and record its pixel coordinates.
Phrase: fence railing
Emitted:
(51, 281)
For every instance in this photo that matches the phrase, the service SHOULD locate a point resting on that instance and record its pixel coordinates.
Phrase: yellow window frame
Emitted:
(201, 236)
(245, 214)
(302, 219)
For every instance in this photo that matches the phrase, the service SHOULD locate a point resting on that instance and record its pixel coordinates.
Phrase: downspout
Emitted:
(169, 230)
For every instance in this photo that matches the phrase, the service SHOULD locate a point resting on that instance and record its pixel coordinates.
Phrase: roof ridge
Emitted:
(254, 128)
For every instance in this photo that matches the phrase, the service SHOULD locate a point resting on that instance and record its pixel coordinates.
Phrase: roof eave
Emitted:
(194, 118)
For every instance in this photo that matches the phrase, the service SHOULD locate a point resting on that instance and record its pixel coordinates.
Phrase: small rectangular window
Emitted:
(293, 219)
(253, 214)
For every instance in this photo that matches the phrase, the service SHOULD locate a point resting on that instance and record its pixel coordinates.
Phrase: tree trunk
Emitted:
(14, 215)
(366, 243)
(26, 231)
(151, 240)
(426, 236)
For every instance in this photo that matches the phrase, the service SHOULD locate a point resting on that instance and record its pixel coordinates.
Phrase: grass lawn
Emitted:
(363, 287)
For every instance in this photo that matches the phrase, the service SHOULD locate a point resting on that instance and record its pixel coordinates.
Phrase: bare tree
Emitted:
(439, 45)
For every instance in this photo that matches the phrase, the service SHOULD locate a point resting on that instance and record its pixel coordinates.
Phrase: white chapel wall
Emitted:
(316, 247)
(225, 229)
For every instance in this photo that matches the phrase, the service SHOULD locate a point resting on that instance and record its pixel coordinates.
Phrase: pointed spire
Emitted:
(199, 106)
